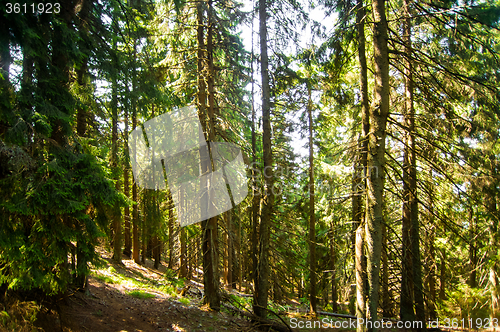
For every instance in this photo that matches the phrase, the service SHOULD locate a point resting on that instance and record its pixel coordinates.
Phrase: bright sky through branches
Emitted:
(305, 40)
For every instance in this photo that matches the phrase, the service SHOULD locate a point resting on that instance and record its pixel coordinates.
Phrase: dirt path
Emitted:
(110, 308)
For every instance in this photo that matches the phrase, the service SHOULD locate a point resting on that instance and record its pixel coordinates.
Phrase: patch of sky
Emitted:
(250, 35)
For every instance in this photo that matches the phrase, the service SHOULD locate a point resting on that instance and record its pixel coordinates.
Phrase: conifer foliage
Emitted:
(56, 195)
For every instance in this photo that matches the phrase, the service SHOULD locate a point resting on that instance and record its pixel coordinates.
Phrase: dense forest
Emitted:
(368, 132)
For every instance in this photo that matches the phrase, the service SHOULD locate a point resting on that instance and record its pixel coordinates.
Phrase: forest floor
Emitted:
(130, 297)
(133, 297)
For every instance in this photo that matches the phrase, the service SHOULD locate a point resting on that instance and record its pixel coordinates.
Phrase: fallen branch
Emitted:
(261, 321)
(324, 313)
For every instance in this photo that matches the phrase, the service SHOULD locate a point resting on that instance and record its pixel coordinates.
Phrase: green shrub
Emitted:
(184, 300)
(4, 318)
(105, 279)
(141, 294)
(464, 303)
(169, 289)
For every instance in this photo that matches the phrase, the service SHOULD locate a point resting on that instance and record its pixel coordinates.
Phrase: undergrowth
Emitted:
(20, 316)
(141, 294)
(140, 283)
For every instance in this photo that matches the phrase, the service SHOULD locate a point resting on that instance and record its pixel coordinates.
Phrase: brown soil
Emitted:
(109, 308)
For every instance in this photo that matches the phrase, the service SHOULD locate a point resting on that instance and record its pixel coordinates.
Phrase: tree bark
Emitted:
(386, 296)
(156, 252)
(239, 251)
(361, 167)
(183, 256)
(491, 206)
(472, 249)
(229, 275)
(135, 208)
(5, 85)
(418, 288)
(182, 239)
(431, 259)
(127, 250)
(376, 157)
(146, 193)
(170, 230)
(117, 236)
(360, 277)
(442, 276)
(256, 196)
(262, 284)
(209, 227)
(333, 264)
(82, 71)
(81, 129)
(406, 310)
(312, 214)
(431, 275)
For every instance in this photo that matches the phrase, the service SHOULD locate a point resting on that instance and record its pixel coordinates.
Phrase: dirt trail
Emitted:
(109, 308)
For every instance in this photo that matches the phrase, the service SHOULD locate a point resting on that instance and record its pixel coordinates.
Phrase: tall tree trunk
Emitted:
(361, 166)
(135, 217)
(191, 259)
(5, 86)
(225, 252)
(312, 213)
(431, 306)
(418, 289)
(238, 275)
(156, 240)
(209, 227)
(363, 87)
(333, 269)
(156, 251)
(386, 296)
(183, 256)
(229, 276)
(146, 193)
(491, 206)
(117, 245)
(431, 264)
(442, 275)
(182, 238)
(472, 249)
(406, 310)
(25, 102)
(376, 157)
(135, 208)
(360, 278)
(256, 196)
(127, 250)
(262, 284)
(82, 70)
(81, 129)
(170, 230)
